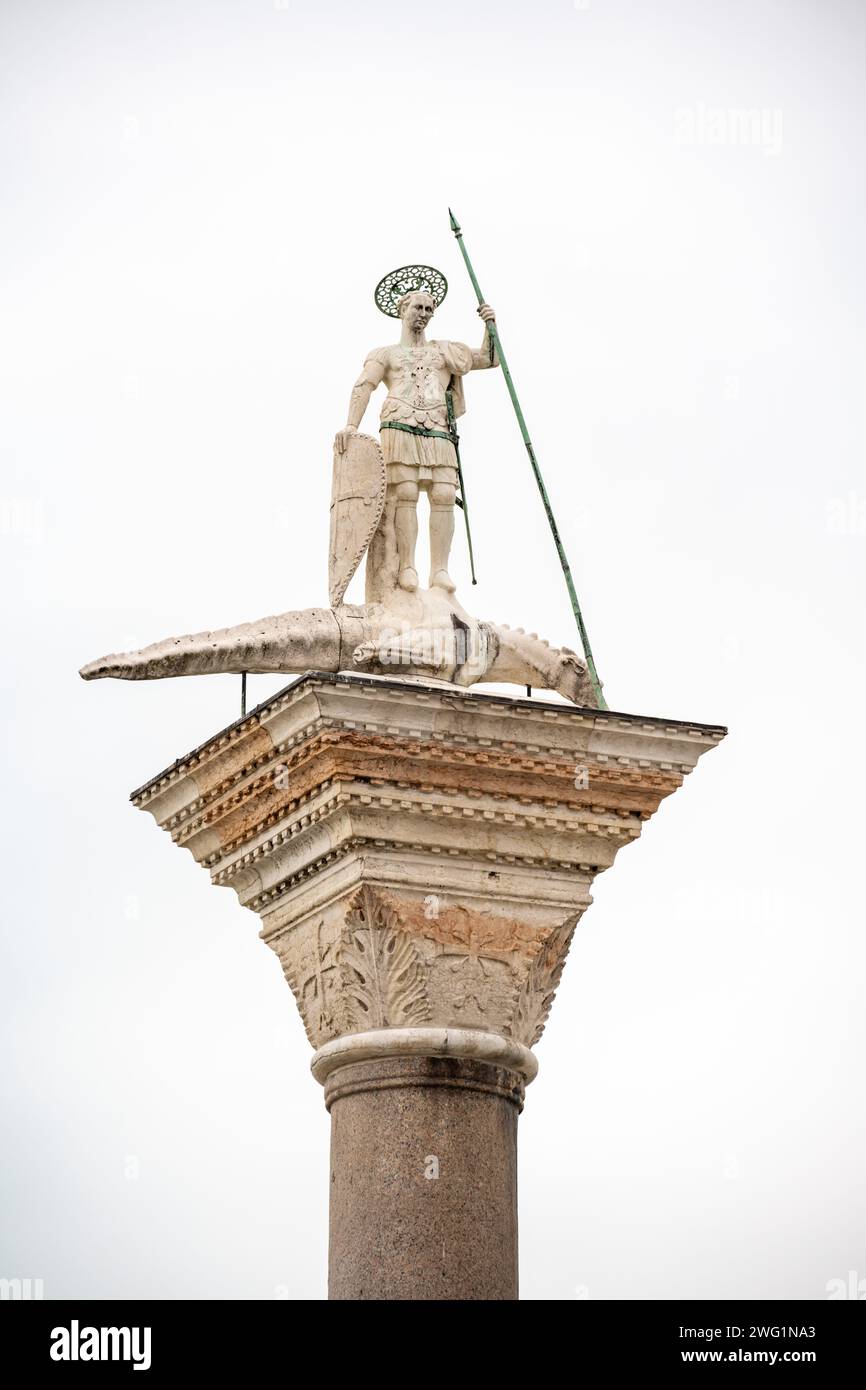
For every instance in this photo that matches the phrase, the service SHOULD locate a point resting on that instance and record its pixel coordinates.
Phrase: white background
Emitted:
(197, 201)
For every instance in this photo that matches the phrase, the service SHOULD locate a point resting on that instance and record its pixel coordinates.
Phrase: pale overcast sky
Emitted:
(197, 202)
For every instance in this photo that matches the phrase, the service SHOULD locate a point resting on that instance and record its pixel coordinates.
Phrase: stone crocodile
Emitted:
(425, 635)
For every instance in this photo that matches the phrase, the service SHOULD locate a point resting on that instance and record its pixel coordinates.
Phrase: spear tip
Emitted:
(455, 225)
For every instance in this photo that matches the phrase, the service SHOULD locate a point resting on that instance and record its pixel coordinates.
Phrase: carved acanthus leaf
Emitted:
(535, 998)
(383, 979)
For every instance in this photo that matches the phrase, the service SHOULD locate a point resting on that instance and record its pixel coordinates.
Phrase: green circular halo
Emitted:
(409, 279)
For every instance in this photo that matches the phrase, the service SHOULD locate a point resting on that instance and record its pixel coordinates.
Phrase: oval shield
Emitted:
(357, 501)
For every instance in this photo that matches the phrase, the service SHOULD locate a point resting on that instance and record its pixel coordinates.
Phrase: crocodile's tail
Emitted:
(308, 640)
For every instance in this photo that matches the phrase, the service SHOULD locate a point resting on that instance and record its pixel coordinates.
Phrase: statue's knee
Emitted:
(442, 495)
(407, 492)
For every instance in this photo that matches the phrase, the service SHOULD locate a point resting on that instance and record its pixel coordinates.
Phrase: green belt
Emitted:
(415, 429)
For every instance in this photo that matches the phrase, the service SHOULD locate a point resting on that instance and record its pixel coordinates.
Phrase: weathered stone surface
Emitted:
(472, 1043)
(426, 633)
(417, 855)
(423, 1180)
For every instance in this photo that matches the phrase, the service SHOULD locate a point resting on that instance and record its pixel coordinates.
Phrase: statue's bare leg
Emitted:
(406, 528)
(441, 534)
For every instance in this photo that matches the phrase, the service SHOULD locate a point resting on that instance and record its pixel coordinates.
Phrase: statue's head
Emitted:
(416, 309)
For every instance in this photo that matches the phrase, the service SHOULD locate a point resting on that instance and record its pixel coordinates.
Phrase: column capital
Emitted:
(419, 856)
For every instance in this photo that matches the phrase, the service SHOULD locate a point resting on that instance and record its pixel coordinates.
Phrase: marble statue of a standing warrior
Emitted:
(416, 430)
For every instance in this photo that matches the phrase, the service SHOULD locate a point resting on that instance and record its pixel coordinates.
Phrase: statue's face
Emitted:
(418, 311)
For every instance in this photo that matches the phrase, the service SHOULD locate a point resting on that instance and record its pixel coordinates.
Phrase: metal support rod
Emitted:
(462, 502)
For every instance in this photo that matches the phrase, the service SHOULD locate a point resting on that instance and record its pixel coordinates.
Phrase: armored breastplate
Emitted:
(417, 394)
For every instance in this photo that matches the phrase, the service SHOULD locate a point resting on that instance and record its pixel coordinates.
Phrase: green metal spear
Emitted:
(560, 550)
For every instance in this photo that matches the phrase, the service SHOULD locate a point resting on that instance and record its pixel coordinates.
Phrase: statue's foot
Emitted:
(442, 580)
(408, 579)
